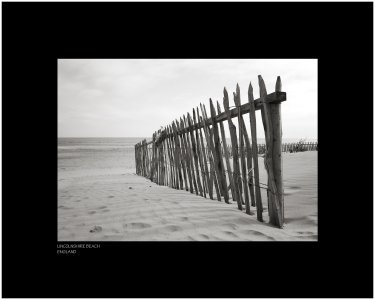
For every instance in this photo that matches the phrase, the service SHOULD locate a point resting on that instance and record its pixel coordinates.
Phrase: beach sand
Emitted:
(101, 199)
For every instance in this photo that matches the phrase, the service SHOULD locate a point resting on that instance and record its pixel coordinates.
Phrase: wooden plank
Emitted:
(177, 154)
(171, 160)
(168, 160)
(213, 170)
(276, 97)
(191, 160)
(205, 158)
(216, 171)
(173, 150)
(274, 205)
(236, 165)
(214, 178)
(195, 154)
(248, 151)
(242, 154)
(186, 156)
(136, 158)
(219, 157)
(277, 158)
(227, 160)
(153, 162)
(144, 160)
(165, 166)
(183, 159)
(253, 129)
(200, 156)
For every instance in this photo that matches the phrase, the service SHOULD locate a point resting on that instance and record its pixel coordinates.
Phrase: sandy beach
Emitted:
(101, 199)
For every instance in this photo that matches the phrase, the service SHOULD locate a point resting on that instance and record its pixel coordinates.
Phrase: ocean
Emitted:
(107, 153)
(96, 153)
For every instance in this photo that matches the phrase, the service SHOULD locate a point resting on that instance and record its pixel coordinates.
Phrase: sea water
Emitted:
(109, 153)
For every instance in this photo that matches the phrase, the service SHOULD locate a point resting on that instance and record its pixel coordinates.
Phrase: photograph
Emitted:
(187, 150)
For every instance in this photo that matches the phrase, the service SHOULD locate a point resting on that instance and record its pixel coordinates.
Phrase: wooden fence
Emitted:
(190, 153)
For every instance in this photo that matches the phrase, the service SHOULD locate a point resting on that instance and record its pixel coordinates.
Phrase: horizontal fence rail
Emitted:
(193, 153)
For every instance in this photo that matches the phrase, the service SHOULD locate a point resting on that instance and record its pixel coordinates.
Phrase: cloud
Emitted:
(135, 97)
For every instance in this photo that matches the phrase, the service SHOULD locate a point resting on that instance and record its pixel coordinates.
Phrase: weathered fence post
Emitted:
(236, 164)
(189, 149)
(248, 150)
(219, 157)
(253, 128)
(195, 153)
(204, 154)
(243, 159)
(185, 154)
(199, 150)
(211, 155)
(273, 159)
(226, 154)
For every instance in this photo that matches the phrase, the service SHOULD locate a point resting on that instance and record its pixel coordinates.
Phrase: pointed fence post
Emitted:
(189, 149)
(253, 128)
(205, 158)
(210, 153)
(200, 151)
(219, 157)
(273, 156)
(227, 160)
(249, 156)
(236, 164)
(243, 158)
(195, 154)
(186, 154)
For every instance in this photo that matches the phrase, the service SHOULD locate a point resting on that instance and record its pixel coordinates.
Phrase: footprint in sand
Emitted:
(96, 229)
(257, 233)
(229, 233)
(293, 187)
(231, 226)
(305, 232)
(313, 237)
(172, 228)
(64, 207)
(205, 236)
(110, 196)
(136, 226)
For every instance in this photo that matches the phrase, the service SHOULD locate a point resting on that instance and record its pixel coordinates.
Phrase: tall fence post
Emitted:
(273, 159)
(253, 129)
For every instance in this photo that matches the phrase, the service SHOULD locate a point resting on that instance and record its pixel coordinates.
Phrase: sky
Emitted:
(135, 97)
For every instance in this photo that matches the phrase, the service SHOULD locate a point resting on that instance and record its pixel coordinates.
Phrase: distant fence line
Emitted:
(190, 153)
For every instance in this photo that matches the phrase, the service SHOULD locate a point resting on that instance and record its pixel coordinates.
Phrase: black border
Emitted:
(340, 35)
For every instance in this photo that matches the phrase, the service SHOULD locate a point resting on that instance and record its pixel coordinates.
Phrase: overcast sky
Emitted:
(134, 97)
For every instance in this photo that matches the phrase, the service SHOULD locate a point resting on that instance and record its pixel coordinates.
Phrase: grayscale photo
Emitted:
(187, 150)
